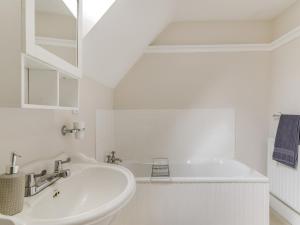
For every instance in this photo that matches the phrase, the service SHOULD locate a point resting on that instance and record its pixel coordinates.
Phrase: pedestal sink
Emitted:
(92, 195)
(7, 221)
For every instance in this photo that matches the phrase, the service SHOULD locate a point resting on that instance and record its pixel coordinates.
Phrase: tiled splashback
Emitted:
(180, 135)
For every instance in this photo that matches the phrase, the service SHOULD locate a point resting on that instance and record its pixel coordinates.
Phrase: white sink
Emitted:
(7, 221)
(93, 195)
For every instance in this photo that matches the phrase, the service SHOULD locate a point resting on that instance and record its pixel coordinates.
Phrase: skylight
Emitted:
(72, 6)
(93, 11)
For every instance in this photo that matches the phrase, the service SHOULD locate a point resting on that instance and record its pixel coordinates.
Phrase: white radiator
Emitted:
(284, 181)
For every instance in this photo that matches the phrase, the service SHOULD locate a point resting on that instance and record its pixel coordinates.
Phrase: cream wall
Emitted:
(231, 32)
(285, 91)
(285, 66)
(287, 21)
(206, 80)
(36, 134)
(255, 84)
(10, 46)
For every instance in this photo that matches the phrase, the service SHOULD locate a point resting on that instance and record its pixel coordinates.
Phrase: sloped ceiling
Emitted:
(93, 10)
(120, 37)
(118, 40)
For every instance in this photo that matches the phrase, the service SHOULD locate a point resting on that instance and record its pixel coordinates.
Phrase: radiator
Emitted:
(284, 181)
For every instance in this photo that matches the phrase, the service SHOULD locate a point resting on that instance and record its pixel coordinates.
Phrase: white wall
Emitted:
(105, 139)
(35, 134)
(287, 21)
(285, 94)
(179, 135)
(10, 46)
(285, 80)
(242, 81)
(206, 80)
(284, 98)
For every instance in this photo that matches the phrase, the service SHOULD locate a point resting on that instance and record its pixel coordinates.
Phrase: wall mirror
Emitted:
(56, 28)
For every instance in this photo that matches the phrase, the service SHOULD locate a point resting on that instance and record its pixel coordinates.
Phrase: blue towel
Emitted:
(287, 140)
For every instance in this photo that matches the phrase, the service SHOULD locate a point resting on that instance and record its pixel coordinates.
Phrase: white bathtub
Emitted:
(213, 192)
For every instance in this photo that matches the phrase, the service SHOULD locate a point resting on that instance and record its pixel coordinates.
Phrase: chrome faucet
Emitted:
(111, 158)
(35, 183)
(58, 164)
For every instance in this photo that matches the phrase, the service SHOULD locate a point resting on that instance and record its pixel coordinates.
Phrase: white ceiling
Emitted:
(220, 10)
(120, 37)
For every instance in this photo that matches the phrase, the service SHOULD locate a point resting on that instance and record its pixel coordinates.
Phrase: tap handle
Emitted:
(108, 158)
(58, 164)
(41, 174)
(30, 179)
(14, 157)
(66, 161)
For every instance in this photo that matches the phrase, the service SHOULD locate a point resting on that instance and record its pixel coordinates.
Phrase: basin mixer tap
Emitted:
(35, 183)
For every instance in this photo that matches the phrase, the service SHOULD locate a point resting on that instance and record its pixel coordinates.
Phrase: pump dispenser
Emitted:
(12, 188)
(13, 168)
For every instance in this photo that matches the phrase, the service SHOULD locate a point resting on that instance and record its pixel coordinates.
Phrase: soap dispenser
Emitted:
(12, 188)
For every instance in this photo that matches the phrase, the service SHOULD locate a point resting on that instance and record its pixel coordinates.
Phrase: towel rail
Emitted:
(277, 115)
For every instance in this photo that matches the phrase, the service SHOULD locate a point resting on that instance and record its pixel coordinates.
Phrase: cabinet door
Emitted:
(45, 87)
(42, 87)
(68, 91)
(53, 33)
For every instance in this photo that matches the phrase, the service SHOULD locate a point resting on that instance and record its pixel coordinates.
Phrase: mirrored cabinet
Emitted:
(68, 94)
(53, 33)
(45, 87)
(56, 28)
(40, 58)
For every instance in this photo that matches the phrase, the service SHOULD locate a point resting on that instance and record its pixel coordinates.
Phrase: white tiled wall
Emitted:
(180, 135)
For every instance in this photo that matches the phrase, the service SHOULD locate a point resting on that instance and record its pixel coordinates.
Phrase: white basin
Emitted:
(93, 194)
(7, 221)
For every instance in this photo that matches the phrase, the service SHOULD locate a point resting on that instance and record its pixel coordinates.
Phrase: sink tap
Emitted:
(35, 183)
(111, 158)
(58, 165)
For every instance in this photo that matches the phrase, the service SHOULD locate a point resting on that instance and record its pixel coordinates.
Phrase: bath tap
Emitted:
(111, 158)
(35, 183)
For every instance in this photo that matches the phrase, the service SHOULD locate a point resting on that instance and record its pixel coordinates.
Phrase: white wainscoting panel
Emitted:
(284, 181)
(197, 204)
